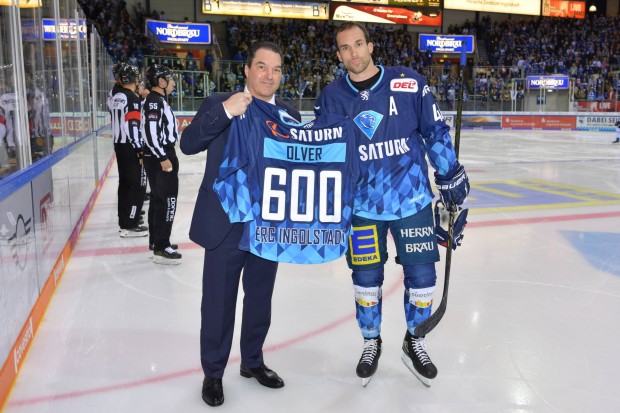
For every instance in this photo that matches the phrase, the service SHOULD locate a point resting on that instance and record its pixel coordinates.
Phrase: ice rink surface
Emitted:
(532, 322)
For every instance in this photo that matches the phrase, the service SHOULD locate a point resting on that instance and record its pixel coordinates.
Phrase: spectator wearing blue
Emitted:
(208, 61)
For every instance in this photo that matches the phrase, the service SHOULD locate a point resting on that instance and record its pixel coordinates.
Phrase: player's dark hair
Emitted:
(256, 46)
(349, 25)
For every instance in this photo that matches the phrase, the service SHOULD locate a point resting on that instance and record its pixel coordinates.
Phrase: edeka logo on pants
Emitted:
(364, 245)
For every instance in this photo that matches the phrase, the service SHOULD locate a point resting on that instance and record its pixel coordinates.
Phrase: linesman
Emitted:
(161, 163)
(124, 107)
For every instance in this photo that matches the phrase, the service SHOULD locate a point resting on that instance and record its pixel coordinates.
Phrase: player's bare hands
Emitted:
(238, 103)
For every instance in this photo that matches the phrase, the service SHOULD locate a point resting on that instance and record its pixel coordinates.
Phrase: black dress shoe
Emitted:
(264, 375)
(212, 391)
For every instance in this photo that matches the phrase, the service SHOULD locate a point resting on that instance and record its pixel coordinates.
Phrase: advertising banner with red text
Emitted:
(539, 122)
(596, 106)
(75, 125)
(387, 15)
(564, 8)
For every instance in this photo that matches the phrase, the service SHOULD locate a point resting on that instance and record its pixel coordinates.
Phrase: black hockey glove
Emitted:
(457, 230)
(454, 186)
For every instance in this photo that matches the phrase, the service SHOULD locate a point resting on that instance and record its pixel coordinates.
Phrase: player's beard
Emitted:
(361, 67)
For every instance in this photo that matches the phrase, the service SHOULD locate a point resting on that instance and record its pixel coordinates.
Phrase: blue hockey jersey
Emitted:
(292, 183)
(398, 126)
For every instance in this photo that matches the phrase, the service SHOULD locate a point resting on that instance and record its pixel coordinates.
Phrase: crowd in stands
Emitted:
(585, 49)
(123, 37)
(126, 41)
(310, 59)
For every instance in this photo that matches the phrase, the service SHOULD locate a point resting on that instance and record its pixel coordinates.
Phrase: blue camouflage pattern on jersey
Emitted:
(393, 141)
(291, 183)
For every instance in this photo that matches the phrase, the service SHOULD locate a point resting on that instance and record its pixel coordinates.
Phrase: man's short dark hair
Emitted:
(349, 25)
(263, 45)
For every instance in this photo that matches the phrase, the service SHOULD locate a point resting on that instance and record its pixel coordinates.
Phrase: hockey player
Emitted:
(160, 131)
(4, 157)
(124, 107)
(617, 124)
(41, 122)
(400, 125)
(8, 106)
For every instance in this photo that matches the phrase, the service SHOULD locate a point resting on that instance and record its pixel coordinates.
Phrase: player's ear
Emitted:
(246, 70)
(371, 46)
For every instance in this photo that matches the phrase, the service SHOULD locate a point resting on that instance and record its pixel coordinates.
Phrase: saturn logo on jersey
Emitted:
(273, 127)
(368, 121)
(404, 85)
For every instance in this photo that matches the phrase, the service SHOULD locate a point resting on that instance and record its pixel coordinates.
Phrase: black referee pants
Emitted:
(163, 202)
(131, 185)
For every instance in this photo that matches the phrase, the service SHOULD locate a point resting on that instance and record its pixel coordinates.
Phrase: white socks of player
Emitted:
(369, 361)
(416, 358)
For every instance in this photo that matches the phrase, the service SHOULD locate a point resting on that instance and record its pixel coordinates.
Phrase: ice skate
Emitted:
(137, 231)
(616, 141)
(369, 361)
(167, 256)
(415, 357)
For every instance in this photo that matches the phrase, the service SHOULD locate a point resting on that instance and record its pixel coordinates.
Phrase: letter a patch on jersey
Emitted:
(368, 121)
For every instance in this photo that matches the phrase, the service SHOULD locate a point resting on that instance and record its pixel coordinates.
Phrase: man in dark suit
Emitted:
(224, 261)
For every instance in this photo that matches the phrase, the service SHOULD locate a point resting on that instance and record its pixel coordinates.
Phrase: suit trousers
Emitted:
(220, 284)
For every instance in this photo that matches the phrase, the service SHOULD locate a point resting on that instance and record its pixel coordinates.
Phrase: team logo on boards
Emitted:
(368, 121)
(404, 85)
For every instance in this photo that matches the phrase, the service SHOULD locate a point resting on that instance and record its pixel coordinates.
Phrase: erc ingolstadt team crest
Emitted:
(368, 121)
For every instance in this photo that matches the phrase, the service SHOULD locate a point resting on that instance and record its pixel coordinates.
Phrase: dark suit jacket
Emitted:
(209, 131)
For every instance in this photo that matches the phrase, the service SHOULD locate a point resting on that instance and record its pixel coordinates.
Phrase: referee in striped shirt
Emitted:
(161, 163)
(124, 107)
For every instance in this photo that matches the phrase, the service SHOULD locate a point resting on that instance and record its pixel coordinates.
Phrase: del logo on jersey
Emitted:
(404, 85)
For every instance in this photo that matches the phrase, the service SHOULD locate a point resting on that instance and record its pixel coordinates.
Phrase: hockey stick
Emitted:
(431, 322)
